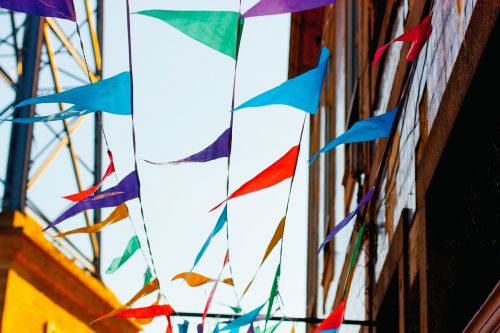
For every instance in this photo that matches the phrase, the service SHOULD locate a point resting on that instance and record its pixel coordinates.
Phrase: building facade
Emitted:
(430, 253)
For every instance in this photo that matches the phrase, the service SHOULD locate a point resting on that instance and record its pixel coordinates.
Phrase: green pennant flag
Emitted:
(215, 29)
(147, 276)
(354, 258)
(274, 292)
(132, 246)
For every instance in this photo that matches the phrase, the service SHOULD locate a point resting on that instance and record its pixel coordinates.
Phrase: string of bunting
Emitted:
(221, 31)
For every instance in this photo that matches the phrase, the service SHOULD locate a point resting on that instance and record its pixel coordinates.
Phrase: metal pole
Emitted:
(98, 132)
(21, 135)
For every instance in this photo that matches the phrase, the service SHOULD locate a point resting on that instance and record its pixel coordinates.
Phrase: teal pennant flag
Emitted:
(110, 95)
(132, 247)
(273, 294)
(243, 320)
(302, 92)
(216, 29)
(363, 130)
(218, 227)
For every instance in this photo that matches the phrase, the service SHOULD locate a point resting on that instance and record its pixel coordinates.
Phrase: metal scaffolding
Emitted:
(40, 56)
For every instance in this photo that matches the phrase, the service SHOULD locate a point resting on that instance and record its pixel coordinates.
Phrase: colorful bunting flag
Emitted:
(133, 245)
(146, 290)
(120, 213)
(302, 92)
(126, 190)
(196, 280)
(74, 111)
(332, 323)
(368, 196)
(147, 276)
(212, 292)
(216, 29)
(218, 227)
(86, 193)
(183, 328)
(273, 7)
(146, 312)
(277, 172)
(363, 130)
(63, 9)
(218, 149)
(147, 321)
(241, 321)
(352, 262)
(418, 36)
(273, 294)
(111, 95)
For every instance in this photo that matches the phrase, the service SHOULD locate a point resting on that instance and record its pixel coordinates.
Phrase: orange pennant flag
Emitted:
(120, 213)
(146, 290)
(418, 36)
(277, 172)
(196, 280)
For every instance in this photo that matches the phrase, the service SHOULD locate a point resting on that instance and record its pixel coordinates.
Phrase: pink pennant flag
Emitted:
(277, 172)
(86, 193)
(418, 36)
(212, 292)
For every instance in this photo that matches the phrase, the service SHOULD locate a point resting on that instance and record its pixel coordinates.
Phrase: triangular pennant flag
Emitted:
(110, 95)
(352, 262)
(418, 36)
(302, 92)
(74, 111)
(120, 213)
(195, 280)
(218, 227)
(63, 9)
(273, 7)
(183, 328)
(363, 130)
(132, 247)
(218, 149)
(216, 29)
(146, 290)
(277, 172)
(146, 312)
(212, 292)
(147, 321)
(86, 193)
(333, 321)
(368, 196)
(278, 235)
(273, 294)
(241, 321)
(127, 189)
(147, 276)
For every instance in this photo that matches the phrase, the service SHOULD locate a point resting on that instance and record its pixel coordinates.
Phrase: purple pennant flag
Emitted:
(64, 9)
(218, 149)
(368, 196)
(126, 190)
(273, 7)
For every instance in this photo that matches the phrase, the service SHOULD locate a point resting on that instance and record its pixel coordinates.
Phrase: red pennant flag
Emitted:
(276, 173)
(86, 193)
(418, 36)
(149, 312)
(334, 320)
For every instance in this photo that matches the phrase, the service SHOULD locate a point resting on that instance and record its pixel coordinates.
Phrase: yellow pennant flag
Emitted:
(146, 290)
(278, 235)
(196, 280)
(120, 213)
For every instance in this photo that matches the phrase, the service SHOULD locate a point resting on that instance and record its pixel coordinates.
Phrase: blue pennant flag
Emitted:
(363, 130)
(302, 92)
(111, 95)
(243, 320)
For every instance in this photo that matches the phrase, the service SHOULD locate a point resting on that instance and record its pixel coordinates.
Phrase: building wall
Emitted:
(43, 291)
(392, 276)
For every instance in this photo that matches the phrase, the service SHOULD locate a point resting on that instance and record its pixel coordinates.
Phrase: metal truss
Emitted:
(40, 56)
